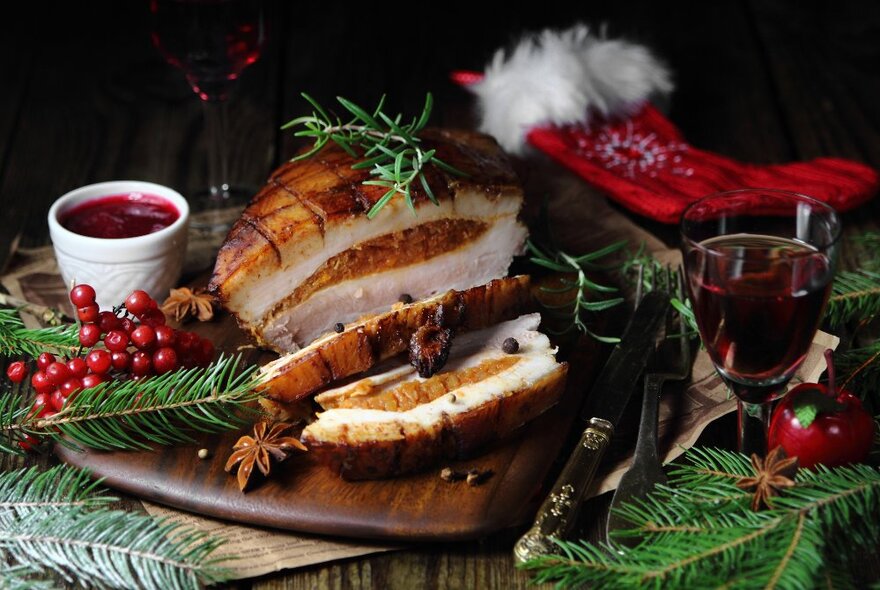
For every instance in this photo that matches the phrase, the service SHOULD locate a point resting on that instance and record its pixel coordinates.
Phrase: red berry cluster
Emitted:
(136, 344)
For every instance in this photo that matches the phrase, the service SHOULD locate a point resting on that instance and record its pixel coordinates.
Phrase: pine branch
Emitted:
(130, 415)
(21, 578)
(855, 295)
(699, 530)
(860, 372)
(23, 490)
(16, 340)
(109, 549)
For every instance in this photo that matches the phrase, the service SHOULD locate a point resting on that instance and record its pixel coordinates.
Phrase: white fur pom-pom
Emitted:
(557, 77)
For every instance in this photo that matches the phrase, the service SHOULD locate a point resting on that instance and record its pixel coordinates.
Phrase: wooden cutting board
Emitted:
(303, 496)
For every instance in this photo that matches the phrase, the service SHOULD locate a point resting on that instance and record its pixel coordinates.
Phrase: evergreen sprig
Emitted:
(17, 340)
(855, 295)
(700, 532)
(130, 415)
(859, 370)
(576, 285)
(388, 147)
(28, 489)
(55, 522)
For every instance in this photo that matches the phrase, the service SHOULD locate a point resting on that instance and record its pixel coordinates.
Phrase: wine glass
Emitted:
(212, 41)
(759, 265)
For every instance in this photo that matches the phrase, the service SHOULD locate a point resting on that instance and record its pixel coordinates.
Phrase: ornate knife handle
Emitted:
(558, 513)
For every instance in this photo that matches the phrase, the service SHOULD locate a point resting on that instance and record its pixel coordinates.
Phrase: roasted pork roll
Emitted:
(304, 256)
(391, 421)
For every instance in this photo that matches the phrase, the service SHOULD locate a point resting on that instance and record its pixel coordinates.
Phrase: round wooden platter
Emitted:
(303, 496)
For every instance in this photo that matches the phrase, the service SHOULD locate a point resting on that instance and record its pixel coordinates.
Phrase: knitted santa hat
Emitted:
(584, 101)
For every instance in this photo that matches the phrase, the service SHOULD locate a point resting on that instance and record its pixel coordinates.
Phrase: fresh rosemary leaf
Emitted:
(390, 149)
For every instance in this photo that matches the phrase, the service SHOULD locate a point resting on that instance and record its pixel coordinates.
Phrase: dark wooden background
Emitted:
(86, 98)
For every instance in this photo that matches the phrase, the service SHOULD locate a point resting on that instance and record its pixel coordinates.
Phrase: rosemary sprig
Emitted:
(17, 340)
(130, 415)
(578, 287)
(388, 147)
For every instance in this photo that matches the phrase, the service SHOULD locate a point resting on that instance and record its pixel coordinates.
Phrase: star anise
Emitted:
(772, 474)
(185, 302)
(266, 444)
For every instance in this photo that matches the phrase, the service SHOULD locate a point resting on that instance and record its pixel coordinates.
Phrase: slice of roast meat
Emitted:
(362, 345)
(394, 422)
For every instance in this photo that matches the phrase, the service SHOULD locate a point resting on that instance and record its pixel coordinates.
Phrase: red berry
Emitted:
(92, 380)
(98, 361)
(42, 404)
(58, 400)
(44, 360)
(17, 371)
(82, 295)
(88, 313)
(187, 341)
(71, 386)
(77, 367)
(127, 325)
(141, 364)
(153, 318)
(116, 341)
(28, 442)
(204, 352)
(138, 302)
(89, 335)
(165, 360)
(107, 321)
(120, 360)
(144, 337)
(165, 336)
(58, 373)
(41, 382)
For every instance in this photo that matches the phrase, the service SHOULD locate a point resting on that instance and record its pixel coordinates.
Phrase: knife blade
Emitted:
(604, 407)
(615, 384)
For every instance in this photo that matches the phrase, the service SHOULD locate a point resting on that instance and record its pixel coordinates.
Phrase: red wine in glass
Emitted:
(212, 41)
(759, 266)
(758, 307)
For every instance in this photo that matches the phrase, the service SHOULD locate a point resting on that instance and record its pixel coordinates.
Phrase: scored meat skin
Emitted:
(367, 443)
(313, 210)
(362, 345)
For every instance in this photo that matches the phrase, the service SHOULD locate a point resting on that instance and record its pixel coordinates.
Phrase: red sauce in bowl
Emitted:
(120, 216)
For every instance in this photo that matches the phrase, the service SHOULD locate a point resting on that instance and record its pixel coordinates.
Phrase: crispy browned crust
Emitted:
(303, 199)
(366, 343)
(454, 437)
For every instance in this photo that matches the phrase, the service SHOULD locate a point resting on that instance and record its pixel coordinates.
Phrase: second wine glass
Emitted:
(759, 265)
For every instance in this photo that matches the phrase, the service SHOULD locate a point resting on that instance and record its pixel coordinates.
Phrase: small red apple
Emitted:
(819, 424)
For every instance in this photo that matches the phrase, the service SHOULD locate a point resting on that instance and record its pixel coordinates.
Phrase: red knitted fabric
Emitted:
(645, 164)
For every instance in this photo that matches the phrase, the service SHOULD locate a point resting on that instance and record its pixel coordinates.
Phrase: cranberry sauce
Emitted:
(120, 216)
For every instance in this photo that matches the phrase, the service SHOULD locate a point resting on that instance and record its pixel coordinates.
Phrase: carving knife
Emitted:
(603, 410)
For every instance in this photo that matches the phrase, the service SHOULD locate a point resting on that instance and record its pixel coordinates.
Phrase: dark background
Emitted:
(86, 97)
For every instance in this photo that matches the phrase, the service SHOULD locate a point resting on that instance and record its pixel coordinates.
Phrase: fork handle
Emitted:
(557, 514)
(646, 445)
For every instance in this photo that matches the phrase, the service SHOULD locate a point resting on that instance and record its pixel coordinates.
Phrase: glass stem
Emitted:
(753, 423)
(218, 156)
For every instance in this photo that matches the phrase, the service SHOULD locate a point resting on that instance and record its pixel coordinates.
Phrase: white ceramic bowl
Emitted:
(116, 267)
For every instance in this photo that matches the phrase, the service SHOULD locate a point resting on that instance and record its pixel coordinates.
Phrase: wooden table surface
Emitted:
(87, 98)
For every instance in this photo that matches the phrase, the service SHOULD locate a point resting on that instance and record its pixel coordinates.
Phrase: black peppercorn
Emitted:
(405, 298)
(510, 345)
(339, 327)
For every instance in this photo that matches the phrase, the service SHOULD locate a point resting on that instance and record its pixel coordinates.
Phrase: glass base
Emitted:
(216, 209)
